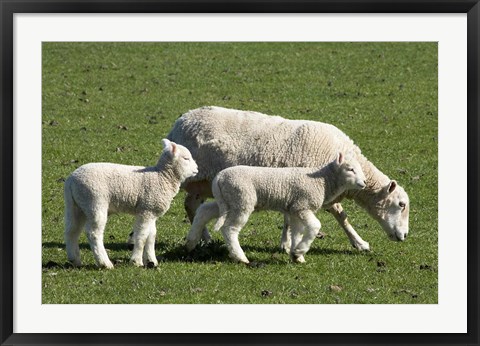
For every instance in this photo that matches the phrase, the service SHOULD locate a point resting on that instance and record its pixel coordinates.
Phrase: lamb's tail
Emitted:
(217, 193)
(69, 202)
(72, 210)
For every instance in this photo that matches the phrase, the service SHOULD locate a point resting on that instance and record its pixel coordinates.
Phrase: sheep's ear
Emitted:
(340, 158)
(392, 186)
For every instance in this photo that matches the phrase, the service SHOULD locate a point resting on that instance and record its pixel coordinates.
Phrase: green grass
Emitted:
(114, 102)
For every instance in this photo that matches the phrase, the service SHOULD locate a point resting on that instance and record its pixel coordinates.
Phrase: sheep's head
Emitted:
(392, 211)
(181, 159)
(349, 172)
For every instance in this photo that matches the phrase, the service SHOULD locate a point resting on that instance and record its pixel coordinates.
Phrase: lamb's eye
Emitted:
(402, 205)
(352, 170)
(186, 158)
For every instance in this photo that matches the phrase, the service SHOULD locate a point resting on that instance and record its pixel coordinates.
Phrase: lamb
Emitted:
(219, 138)
(296, 192)
(95, 190)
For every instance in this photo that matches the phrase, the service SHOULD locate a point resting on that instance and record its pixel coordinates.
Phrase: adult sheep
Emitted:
(219, 138)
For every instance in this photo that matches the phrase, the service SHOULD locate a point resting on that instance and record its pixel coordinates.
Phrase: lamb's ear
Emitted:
(169, 146)
(340, 158)
(392, 186)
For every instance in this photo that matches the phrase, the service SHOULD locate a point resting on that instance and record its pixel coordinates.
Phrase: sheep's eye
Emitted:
(352, 170)
(402, 205)
(186, 158)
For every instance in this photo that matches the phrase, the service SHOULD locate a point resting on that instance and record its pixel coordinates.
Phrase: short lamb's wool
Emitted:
(296, 192)
(95, 190)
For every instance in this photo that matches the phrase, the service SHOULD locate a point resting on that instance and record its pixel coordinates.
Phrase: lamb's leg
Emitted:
(231, 228)
(141, 231)
(74, 223)
(205, 213)
(297, 229)
(356, 241)
(286, 242)
(149, 250)
(197, 192)
(95, 228)
(312, 227)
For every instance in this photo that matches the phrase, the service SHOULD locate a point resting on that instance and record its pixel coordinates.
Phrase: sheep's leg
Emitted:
(286, 242)
(197, 192)
(341, 217)
(149, 250)
(95, 228)
(312, 227)
(230, 230)
(74, 223)
(205, 213)
(141, 231)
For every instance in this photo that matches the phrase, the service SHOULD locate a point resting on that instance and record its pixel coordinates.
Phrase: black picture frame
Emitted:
(10, 7)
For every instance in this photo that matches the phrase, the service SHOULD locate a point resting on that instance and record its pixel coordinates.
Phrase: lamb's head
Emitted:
(391, 210)
(349, 172)
(180, 159)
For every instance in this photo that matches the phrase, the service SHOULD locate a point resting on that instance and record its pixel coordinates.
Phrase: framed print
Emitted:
(350, 128)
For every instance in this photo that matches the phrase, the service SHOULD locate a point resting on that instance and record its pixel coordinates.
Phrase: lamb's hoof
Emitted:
(255, 264)
(321, 235)
(130, 241)
(298, 258)
(136, 263)
(362, 246)
(285, 248)
(189, 246)
(241, 260)
(151, 265)
(106, 265)
(75, 263)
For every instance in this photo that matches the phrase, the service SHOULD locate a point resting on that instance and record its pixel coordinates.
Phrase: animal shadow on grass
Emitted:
(212, 252)
(113, 247)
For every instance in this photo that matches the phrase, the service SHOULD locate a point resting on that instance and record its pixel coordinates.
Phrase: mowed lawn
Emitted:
(114, 102)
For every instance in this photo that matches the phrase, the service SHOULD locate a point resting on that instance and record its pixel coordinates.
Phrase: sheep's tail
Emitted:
(217, 193)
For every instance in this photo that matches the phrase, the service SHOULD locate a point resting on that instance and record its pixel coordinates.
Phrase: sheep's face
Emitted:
(393, 210)
(350, 173)
(182, 159)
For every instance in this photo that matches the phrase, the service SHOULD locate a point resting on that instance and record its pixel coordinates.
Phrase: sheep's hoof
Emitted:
(321, 235)
(362, 246)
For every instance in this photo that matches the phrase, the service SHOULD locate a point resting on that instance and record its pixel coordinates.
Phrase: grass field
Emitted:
(114, 102)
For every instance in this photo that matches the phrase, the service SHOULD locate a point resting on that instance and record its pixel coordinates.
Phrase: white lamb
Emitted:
(296, 192)
(95, 190)
(219, 138)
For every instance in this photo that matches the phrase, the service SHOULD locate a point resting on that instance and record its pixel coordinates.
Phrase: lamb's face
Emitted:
(393, 211)
(185, 161)
(181, 158)
(350, 173)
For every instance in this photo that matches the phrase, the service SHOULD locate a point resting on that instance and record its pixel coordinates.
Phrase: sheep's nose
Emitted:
(405, 236)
